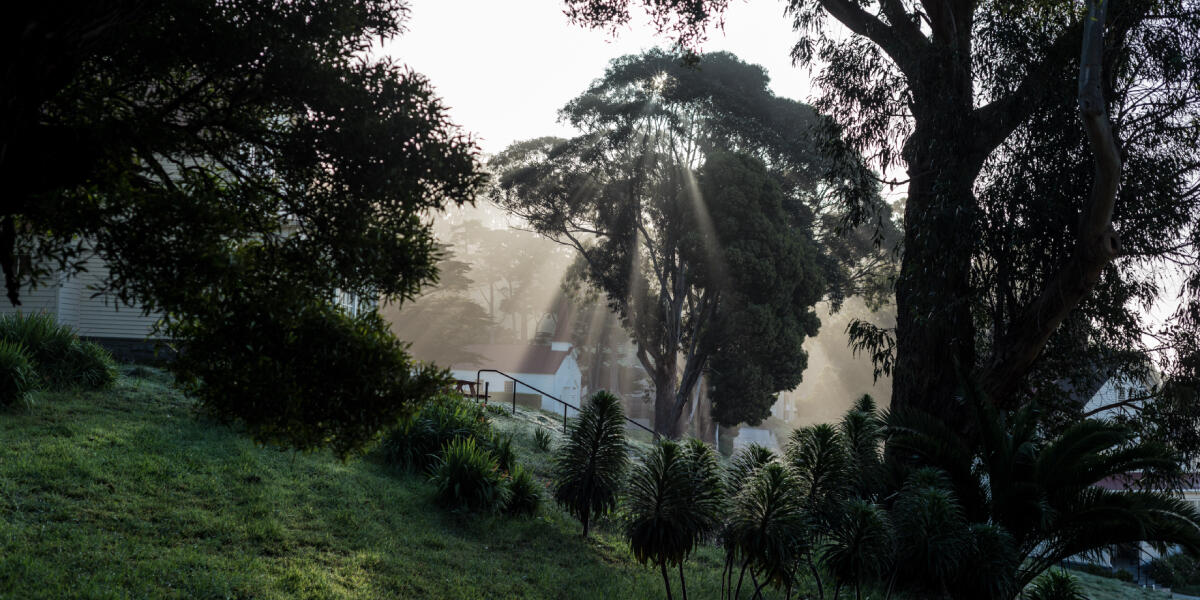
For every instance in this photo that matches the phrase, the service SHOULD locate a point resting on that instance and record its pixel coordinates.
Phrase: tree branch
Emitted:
(903, 44)
(1096, 246)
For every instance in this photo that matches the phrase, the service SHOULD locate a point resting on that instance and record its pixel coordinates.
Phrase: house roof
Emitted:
(516, 358)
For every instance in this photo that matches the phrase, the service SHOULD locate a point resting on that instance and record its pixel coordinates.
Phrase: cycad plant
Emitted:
(674, 502)
(981, 514)
(590, 465)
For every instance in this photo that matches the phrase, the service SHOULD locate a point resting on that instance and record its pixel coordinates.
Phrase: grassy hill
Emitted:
(126, 494)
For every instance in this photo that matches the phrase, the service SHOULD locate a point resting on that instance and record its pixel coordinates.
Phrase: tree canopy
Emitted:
(1032, 244)
(201, 148)
(689, 195)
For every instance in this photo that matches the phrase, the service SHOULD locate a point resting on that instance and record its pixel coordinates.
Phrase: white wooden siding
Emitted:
(43, 299)
(103, 316)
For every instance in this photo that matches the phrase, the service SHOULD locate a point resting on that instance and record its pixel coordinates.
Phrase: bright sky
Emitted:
(505, 67)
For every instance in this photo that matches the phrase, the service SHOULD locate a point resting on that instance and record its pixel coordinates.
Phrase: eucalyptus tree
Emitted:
(690, 196)
(1018, 220)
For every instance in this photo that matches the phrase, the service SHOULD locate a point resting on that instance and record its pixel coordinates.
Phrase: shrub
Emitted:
(298, 372)
(466, 476)
(87, 365)
(45, 341)
(17, 377)
(524, 493)
(415, 443)
(589, 467)
(1055, 585)
(496, 410)
(501, 447)
(60, 359)
(674, 503)
(1174, 570)
(541, 439)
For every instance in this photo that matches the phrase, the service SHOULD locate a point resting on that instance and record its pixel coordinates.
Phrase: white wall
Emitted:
(103, 316)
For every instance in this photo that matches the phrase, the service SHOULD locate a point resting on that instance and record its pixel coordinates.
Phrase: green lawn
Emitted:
(1105, 588)
(126, 494)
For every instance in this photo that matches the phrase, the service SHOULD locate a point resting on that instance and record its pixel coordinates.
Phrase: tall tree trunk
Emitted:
(935, 335)
(666, 409)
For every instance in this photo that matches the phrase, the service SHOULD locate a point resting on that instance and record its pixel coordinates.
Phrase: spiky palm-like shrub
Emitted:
(1055, 585)
(767, 527)
(1022, 502)
(86, 365)
(743, 466)
(17, 377)
(541, 439)
(820, 460)
(466, 476)
(524, 494)
(674, 502)
(859, 545)
(590, 465)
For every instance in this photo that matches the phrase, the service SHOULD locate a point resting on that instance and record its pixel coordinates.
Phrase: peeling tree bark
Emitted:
(1097, 244)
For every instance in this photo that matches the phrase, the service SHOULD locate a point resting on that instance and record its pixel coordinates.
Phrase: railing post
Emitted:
(564, 417)
(514, 396)
(486, 395)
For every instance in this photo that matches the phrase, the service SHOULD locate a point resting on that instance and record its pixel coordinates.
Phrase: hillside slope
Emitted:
(127, 493)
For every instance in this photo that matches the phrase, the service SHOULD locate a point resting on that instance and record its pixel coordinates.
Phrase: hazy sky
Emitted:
(505, 67)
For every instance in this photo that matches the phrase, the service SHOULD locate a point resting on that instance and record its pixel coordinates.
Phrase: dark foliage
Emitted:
(166, 136)
(589, 468)
(296, 371)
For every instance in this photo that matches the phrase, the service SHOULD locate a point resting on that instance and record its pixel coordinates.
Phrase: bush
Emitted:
(293, 367)
(466, 476)
(59, 358)
(17, 377)
(87, 365)
(524, 493)
(501, 447)
(541, 439)
(415, 443)
(1174, 570)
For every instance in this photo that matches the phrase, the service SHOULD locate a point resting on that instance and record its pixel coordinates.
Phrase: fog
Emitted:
(502, 286)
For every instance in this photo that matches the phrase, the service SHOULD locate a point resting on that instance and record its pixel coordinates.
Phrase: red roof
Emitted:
(516, 358)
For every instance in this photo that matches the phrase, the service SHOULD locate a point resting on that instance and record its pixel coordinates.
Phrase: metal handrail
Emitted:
(566, 405)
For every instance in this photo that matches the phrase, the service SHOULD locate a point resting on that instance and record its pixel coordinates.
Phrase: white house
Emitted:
(541, 371)
(126, 331)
